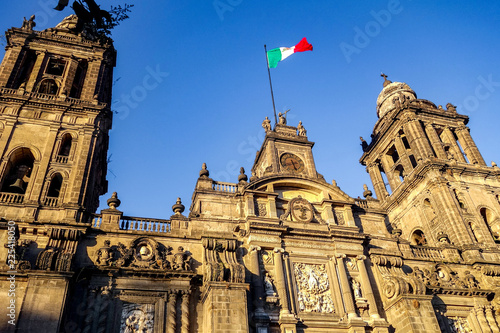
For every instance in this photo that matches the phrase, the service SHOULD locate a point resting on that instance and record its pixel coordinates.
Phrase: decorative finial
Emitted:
(178, 208)
(113, 202)
(204, 172)
(367, 193)
(242, 177)
(386, 82)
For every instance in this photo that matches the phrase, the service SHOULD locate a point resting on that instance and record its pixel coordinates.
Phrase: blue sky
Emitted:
(207, 92)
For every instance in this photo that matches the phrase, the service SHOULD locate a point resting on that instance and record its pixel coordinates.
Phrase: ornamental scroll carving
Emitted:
(144, 253)
(395, 281)
(60, 250)
(313, 288)
(220, 261)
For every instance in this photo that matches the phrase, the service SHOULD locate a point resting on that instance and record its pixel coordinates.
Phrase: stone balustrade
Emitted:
(428, 253)
(224, 187)
(48, 97)
(11, 198)
(61, 159)
(130, 223)
(51, 202)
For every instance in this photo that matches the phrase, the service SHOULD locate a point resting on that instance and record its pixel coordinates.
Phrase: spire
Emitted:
(386, 82)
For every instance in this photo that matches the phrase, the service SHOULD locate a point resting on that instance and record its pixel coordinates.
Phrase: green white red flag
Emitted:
(276, 55)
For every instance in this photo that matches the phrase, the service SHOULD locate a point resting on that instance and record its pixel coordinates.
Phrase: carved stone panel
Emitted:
(313, 288)
(137, 318)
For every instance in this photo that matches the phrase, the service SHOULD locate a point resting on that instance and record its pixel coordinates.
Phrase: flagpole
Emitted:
(271, 85)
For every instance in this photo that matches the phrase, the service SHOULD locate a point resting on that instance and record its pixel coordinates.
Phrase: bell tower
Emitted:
(429, 174)
(55, 94)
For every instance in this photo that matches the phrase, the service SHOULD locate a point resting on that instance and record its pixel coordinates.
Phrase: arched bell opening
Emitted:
(418, 238)
(18, 171)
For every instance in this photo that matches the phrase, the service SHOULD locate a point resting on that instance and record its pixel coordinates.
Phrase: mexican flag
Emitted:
(276, 55)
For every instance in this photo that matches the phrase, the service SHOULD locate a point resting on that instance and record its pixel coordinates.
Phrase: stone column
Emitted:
(417, 139)
(69, 77)
(453, 145)
(254, 269)
(346, 288)
(491, 319)
(365, 280)
(271, 201)
(171, 311)
(482, 319)
(337, 292)
(389, 174)
(403, 155)
(10, 59)
(89, 85)
(377, 180)
(40, 58)
(185, 312)
(280, 280)
(469, 146)
(436, 142)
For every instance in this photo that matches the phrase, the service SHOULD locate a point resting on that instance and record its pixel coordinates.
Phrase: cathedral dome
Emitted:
(392, 90)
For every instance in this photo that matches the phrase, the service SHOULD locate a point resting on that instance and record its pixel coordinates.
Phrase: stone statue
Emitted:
(356, 287)
(266, 124)
(268, 285)
(29, 24)
(364, 144)
(302, 130)
(282, 118)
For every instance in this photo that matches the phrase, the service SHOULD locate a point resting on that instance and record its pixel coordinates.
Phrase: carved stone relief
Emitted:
(137, 318)
(143, 253)
(313, 288)
(260, 208)
(459, 325)
(339, 216)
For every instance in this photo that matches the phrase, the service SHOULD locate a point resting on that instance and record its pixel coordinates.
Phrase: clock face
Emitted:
(291, 162)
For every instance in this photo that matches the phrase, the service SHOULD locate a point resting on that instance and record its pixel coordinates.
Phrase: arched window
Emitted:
(48, 86)
(418, 238)
(65, 145)
(55, 186)
(18, 171)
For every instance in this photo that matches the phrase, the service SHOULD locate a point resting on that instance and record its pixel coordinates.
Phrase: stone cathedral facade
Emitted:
(280, 251)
